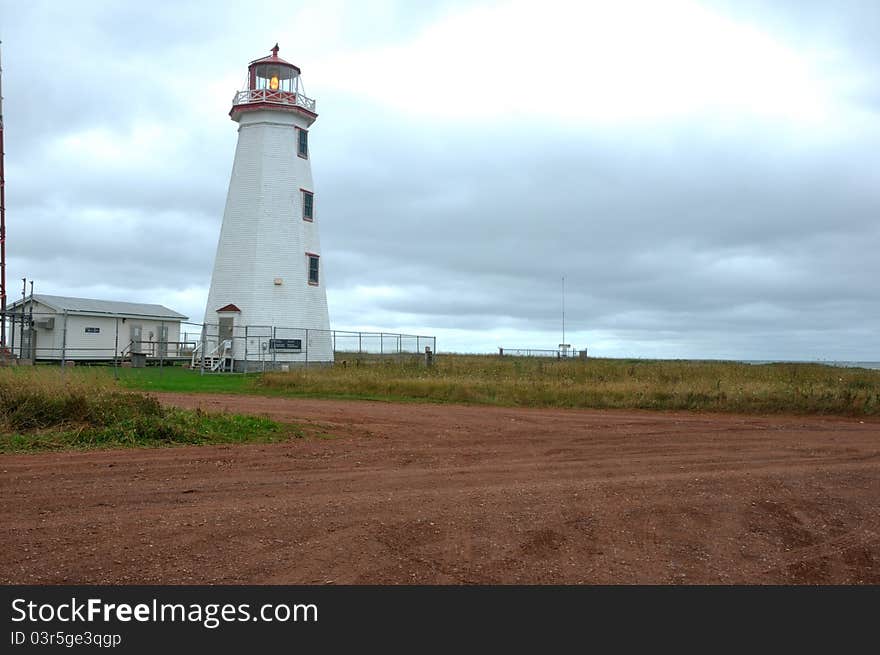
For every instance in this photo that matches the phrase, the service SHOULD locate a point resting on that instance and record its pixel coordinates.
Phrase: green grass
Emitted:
(174, 427)
(178, 379)
(45, 409)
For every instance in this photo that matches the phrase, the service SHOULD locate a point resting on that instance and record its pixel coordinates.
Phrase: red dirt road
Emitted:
(410, 493)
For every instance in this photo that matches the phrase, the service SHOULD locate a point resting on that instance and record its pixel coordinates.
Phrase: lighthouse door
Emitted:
(226, 325)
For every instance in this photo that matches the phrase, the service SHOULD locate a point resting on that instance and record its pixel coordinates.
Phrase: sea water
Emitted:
(873, 365)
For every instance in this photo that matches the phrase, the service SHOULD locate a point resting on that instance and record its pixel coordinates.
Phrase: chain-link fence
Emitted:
(78, 337)
(226, 346)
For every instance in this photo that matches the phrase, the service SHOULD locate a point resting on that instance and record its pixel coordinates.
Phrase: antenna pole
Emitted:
(2, 226)
(563, 309)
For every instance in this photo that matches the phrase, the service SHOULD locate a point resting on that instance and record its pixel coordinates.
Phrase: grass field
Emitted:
(87, 407)
(530, 382)
(44, 409)
(597, 383)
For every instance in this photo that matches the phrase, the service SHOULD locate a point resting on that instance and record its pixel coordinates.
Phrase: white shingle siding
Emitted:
(264, 237)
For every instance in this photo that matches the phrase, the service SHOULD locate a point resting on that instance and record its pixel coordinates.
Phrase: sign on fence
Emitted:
(285, 345)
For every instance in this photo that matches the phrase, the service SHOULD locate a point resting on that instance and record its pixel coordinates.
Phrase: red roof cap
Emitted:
(229, 308)
(274, 59)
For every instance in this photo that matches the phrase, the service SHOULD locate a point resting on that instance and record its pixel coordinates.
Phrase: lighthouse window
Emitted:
(302, 147)
(308, 205)
(273, 78)
(313, 269)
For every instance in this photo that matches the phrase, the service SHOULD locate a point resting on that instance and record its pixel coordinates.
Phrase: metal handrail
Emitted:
(220, 355)
(152, 347)
(277, 97)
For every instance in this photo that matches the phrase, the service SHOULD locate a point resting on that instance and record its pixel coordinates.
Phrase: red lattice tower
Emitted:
(2, 227)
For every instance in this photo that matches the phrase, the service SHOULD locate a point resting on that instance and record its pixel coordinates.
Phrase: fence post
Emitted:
(500, 352)
(381, 343)
(116, 351)
(307, 347)
(203, 346)
(64, 341)
(334, 341)
(272, 345)
(359, 342)
(245, 349)
(21, 336)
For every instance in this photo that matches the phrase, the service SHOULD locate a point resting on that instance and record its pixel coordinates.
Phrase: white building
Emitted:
(267, 301)
(85, 329)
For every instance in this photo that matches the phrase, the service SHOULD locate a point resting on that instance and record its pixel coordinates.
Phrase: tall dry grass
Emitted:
(39, 397)
(44, 408)
(598, 383)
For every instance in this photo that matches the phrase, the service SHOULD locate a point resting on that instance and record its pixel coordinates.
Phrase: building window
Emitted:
(302, 143)
(313, 268)
(308, 205)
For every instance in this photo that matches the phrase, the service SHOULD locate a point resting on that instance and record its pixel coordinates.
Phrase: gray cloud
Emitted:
(751, 238)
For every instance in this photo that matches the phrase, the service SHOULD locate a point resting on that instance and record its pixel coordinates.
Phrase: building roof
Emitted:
(108, 307)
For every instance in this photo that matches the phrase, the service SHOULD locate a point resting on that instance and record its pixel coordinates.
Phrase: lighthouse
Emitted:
(267, 302)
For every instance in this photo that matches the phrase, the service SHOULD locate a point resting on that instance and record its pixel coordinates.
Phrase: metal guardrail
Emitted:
(545, 352)
(276, 97)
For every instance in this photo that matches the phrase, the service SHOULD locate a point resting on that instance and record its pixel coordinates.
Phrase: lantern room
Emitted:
(273, 73)
(273, 83)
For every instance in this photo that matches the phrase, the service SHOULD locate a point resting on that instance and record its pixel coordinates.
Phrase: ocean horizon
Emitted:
(844, 363)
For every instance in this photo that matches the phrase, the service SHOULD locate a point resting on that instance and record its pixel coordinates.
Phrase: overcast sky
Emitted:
(706, 175)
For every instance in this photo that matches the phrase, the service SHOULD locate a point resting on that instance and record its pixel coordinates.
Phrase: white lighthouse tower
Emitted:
(267, 303)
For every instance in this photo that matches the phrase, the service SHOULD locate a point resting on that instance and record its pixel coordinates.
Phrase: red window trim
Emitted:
(318, 257)
(312, 193)
(298, 154)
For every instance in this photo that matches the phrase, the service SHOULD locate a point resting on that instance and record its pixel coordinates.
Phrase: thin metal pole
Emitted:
(21, 336)
(161, 349)
(116, 352)
(202, 366)
(307, 347)
(64, 341)
(32, 347)
(563, 309)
